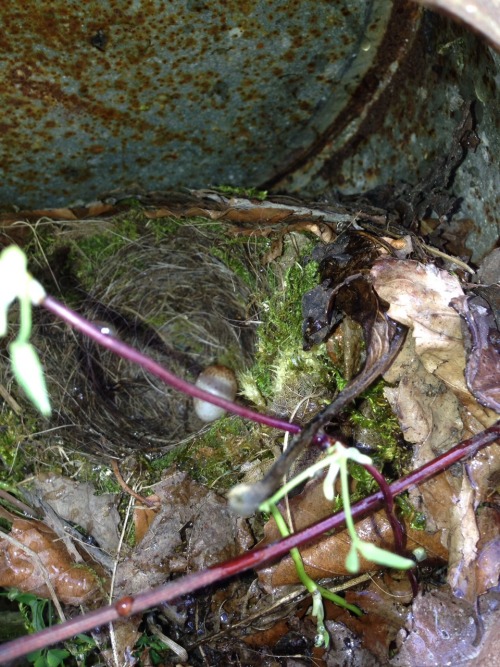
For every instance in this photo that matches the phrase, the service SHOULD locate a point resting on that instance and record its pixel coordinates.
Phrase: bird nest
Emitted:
(176, 302)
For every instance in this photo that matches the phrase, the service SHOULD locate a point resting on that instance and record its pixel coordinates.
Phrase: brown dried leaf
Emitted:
(435, 407)
(143, 518)
(419, 297)
(483, 359)
(430, 416)
(73, 584)
(193, 529)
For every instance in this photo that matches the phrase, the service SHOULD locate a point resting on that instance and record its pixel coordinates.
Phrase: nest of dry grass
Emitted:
(174, 301)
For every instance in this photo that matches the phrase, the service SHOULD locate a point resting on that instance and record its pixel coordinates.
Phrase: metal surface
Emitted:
(96, 96)
(409, 126)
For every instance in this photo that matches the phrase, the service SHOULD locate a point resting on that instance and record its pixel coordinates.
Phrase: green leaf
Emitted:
(13, 280)
(56, 656)
(352, 560)
(383, 557)
(28, 372)
(329, 481)
(37, 658)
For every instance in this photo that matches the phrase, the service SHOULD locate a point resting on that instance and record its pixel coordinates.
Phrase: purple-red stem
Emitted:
(397, 528)
(127, 352)
(246, 561)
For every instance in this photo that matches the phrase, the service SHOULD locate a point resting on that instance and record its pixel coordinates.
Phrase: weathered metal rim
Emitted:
(301, 167)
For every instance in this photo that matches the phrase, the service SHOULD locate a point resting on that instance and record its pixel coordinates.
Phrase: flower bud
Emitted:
(220, 381)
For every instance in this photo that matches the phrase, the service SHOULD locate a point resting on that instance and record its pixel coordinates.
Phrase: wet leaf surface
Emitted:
(73, 583)
(441, 630)
(482, 313)
(79, 503)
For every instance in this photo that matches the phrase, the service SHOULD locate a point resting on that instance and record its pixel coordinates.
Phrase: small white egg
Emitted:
(220, 381)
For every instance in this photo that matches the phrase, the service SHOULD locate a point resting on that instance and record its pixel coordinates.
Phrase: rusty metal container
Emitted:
(298, 95)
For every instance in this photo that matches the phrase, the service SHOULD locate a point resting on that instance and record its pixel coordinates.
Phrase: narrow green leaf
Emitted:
(352, 560)
(28, 372)
(383, 557)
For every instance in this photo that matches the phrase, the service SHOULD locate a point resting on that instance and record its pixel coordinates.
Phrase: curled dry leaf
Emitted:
(483, 360)
(420, 296)
(73, 584)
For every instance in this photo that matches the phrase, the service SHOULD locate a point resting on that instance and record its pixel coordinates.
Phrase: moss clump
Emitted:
(283, 373)
(15, 458)
(214, 457)
(415, 519)
(91, 250)
(375, 423)
(242, 256)
(251, 193)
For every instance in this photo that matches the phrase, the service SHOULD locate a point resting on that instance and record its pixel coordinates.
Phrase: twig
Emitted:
(128, 489)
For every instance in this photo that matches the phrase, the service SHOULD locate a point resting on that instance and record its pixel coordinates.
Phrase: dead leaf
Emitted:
(430, 416)
(143, 518)
(275, 251)
(441, 630)
(193, 529)
(488, 549)
(419, 296)
(384, 603)
(463, 538)
(346, 649)
(79, 503)
(73, 583)
(483, 359)
(432, 400)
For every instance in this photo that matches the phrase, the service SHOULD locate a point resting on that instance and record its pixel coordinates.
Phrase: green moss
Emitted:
(239, 253)
(214, 457)
(279, 351)
(251, 193)
(89, 251)
(164, 227)
(416, 519)
(14, 430)
(378, 419)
